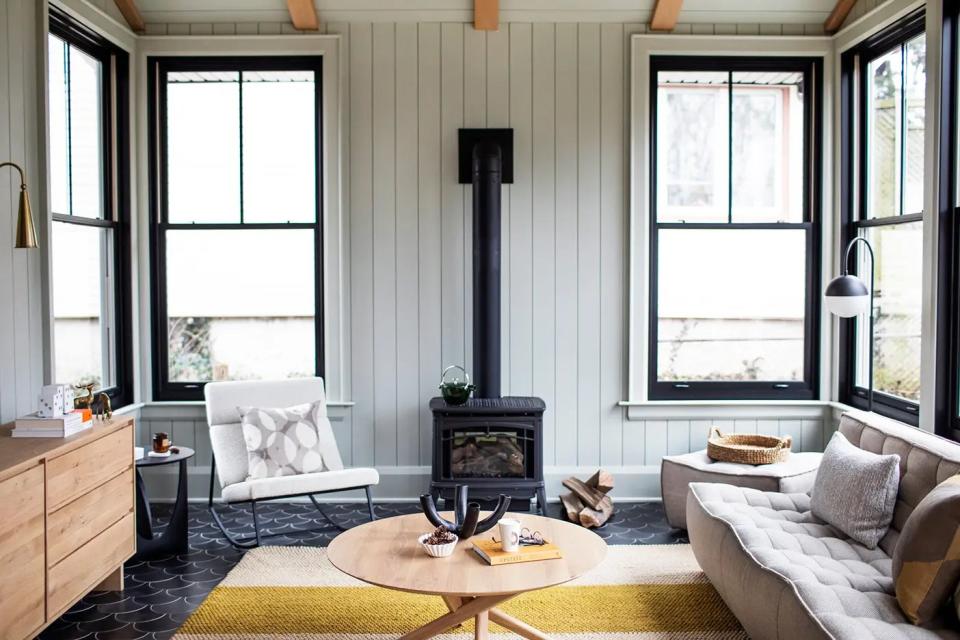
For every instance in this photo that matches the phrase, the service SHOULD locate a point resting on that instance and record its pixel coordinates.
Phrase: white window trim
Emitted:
(643, 46)
(335, 310)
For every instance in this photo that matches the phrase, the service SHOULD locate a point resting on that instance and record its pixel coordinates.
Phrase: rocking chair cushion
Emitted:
(285, 486)
(285, 442)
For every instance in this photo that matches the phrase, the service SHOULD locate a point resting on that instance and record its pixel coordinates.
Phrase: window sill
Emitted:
(728, 409)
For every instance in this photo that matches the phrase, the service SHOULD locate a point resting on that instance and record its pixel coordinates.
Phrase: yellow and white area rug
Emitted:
(641, 592)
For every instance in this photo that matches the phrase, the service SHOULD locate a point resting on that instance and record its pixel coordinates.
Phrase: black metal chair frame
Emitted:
(253, 542)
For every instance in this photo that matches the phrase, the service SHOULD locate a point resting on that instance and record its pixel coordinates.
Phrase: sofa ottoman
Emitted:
(794, 475)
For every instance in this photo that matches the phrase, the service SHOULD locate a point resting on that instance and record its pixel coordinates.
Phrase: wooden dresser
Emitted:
(67, 521)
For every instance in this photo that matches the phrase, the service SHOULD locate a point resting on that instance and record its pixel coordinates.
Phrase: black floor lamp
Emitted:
(847, 296)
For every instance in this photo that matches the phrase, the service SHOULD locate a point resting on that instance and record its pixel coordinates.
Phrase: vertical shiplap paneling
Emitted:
(812, 431)
(768, 427)
(793, 428)
(429, 234)
(498, 115)
(566, 242)
(588, 244)
(699, 432)
(407, 298)
(361, 240)
(201, 441)
(655, 445)
(474, 117)
(543, 178)
(613, 234)
(21, 312)
(384, 244)
(452, 263)
(678, 436)
(634, 445)
(521, 211)
(745, 426)
(8, 186)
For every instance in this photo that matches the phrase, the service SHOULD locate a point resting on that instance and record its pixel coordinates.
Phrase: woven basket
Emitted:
(747, 448)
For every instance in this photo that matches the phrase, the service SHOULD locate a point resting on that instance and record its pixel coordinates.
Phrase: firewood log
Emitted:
(588, 495)
(572, 506)
(601, 481)
(592, 518)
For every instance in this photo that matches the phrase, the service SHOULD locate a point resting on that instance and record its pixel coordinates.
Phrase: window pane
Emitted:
(731, 304)
(897, 310)
(692, 146)
(240, 304)
(203, 147)
(82, 290)
(279, 146)
(767, 146)
(883, 135)
(86, 135)
(916, 86)
(59, 154)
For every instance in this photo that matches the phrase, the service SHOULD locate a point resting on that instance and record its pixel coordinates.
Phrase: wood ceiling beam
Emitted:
(486, 15)
(838, 15)
(665, 15)
(303, 15)
(130, 12)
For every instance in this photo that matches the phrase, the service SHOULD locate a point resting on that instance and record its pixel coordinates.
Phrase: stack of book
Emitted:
(34, 426)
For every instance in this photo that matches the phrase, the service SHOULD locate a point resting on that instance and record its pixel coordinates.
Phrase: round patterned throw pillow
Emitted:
(926, 560)
(283, 442)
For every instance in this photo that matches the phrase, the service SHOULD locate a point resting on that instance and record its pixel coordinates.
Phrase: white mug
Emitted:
(510, 535)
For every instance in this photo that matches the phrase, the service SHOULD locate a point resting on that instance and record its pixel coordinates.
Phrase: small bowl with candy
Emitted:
(439, 544)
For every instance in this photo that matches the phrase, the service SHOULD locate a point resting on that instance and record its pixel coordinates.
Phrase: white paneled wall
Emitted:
(563, 88)
(21, 290)
(407, 88)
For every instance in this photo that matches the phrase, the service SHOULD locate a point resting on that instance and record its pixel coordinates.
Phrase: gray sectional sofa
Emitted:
(785, 574)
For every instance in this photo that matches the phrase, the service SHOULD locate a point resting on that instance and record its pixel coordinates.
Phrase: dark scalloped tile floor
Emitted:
(161, 593)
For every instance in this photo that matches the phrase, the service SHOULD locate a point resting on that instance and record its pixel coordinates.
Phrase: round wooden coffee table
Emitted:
(386, 553)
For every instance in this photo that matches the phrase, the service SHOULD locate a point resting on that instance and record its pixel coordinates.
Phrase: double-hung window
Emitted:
(89, 197)
(734, 227)
(236, 220)
(883, 107)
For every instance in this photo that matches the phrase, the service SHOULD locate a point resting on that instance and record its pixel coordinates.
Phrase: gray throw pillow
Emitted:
(856, 490)
(283, 442)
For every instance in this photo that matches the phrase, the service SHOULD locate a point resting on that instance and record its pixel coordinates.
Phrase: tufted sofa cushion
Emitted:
(786, 574)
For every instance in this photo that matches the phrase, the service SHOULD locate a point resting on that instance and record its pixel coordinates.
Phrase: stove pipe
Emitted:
(490, 166)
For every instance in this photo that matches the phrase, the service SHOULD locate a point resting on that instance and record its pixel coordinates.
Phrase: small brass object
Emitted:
(84, 398)
(103, 411)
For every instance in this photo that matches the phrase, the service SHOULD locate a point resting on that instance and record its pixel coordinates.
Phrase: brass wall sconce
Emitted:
(26, 232)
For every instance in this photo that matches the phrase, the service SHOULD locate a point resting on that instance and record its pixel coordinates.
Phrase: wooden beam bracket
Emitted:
(486, 15)
(303, 15)
(836, 18)
(130, 12)
(665, 15)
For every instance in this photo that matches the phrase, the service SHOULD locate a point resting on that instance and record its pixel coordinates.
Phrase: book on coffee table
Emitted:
(494, 555)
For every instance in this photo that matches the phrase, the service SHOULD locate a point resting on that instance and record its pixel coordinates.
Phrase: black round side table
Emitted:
(174, 538)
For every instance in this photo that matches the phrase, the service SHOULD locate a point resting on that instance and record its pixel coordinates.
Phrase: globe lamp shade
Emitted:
(847, 296)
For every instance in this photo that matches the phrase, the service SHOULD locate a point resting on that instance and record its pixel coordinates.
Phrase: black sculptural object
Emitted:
(466, 514)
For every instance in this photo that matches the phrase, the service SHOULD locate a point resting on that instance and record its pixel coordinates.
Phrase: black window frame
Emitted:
(947, 386)
(116, 194)
(808, 388)
(853, 200)
(158, 67)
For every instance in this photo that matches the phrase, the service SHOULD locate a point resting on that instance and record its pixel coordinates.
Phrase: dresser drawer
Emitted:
(75, 473)
(86, 567)
(77, 522)
(21, 554)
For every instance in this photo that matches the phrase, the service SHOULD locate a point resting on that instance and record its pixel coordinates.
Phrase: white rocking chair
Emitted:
(230, 462)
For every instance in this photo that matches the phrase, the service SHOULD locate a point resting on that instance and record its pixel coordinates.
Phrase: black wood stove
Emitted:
(491, 443)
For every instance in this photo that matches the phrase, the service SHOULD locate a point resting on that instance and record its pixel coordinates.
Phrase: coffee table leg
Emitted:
(481, 625)
(471, 608)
